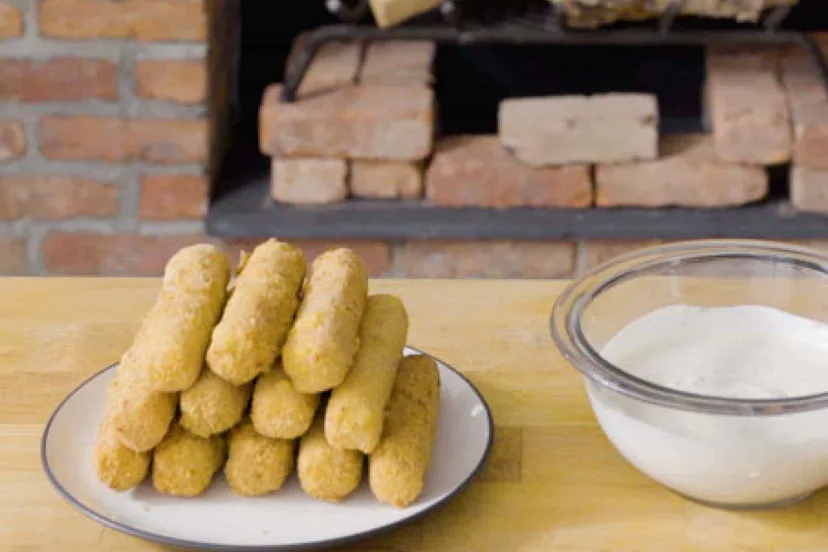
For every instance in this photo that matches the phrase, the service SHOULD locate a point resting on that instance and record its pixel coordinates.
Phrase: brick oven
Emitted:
(129, 128)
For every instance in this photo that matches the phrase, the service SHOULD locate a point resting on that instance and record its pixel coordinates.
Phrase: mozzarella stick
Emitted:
(278, 410)
(117, 466)
(259, 313)
(183, 464)
(257, 465)
(320, 347)
(356, 410)
(140, 417)
(213, 405)
(324, 472)
(398, 466)
(168, 349)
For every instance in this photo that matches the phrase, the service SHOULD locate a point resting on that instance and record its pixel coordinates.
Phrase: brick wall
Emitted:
(112, 114)
(105, 146)
(104, 133)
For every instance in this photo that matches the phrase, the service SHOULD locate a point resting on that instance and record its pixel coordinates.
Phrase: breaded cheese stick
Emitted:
(117, 466)
(356, 410)
(168, 349)
(257, 465)
(324, 472)
(213, 405)
(183, 464)
(320, 347)
(259, 313)
(278, 410)
(140, 417)
(398, 466)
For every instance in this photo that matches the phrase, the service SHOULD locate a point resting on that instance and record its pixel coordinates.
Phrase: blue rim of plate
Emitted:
(170, 541)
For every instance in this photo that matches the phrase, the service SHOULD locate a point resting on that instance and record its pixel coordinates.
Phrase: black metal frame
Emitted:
(547, 27)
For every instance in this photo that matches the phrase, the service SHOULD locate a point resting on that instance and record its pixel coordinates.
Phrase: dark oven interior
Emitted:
(470, 80)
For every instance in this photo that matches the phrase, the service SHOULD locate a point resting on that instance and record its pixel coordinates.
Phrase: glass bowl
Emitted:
(687, 400)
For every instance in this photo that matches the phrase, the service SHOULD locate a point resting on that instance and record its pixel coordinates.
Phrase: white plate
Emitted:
(285, 520)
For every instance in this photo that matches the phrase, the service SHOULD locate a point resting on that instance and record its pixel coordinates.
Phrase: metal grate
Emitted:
(541, 22)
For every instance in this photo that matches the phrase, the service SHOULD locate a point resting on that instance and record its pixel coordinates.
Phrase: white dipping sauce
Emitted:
(738, 352)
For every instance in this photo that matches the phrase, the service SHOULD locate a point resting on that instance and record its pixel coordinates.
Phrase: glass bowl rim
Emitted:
(568, 335)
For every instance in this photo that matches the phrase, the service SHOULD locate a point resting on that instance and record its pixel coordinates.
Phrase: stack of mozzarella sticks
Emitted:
(273, 372)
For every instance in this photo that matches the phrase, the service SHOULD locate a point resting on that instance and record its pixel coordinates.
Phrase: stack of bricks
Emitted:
(362, 125)
(348, 135)
(548, 149)
(544, 152)
(727, 168)
(809, 112)
(617, 134)
(104, 133)
(767, 107)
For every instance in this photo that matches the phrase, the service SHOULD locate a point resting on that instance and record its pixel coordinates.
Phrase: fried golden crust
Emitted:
(278, 410)
(140, 417)
(398, 466)
(324, 472)
(259, 313)
(117, 466)
(320, 347)
(183, 464)
(168, 349)
(257, 465)
(213, 405)
(356, 410)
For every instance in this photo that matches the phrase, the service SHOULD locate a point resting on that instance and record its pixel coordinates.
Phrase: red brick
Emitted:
(557, 130)
(335, 65)
(56, 197)
(811, 143)
(13, 257)
(484, 259)
(375, 254)
(182, 81)
(58, 79)
(478, 171)
(809, 109)
(164, 141)
(359, 122)
(809, 189)
(173, 196)
(802, 82)
(395, 63)
(689, 174)
(146, 20)
(748, 107)
(12, 139)
(11, 21)
(111, 255)
(309, 181)
(595, 252)
(386, 179)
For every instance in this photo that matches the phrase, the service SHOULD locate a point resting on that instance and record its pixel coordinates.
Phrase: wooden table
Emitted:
(554, 482)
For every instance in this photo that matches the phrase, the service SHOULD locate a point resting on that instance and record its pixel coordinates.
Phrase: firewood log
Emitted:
(388, 13)
(595, 13)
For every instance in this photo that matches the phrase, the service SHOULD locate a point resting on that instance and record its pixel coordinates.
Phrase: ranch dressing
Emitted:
(752, 352)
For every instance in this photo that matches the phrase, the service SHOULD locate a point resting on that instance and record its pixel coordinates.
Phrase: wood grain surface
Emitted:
(554, 482)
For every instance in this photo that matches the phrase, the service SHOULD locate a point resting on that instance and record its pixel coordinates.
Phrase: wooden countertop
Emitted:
(554, 482)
